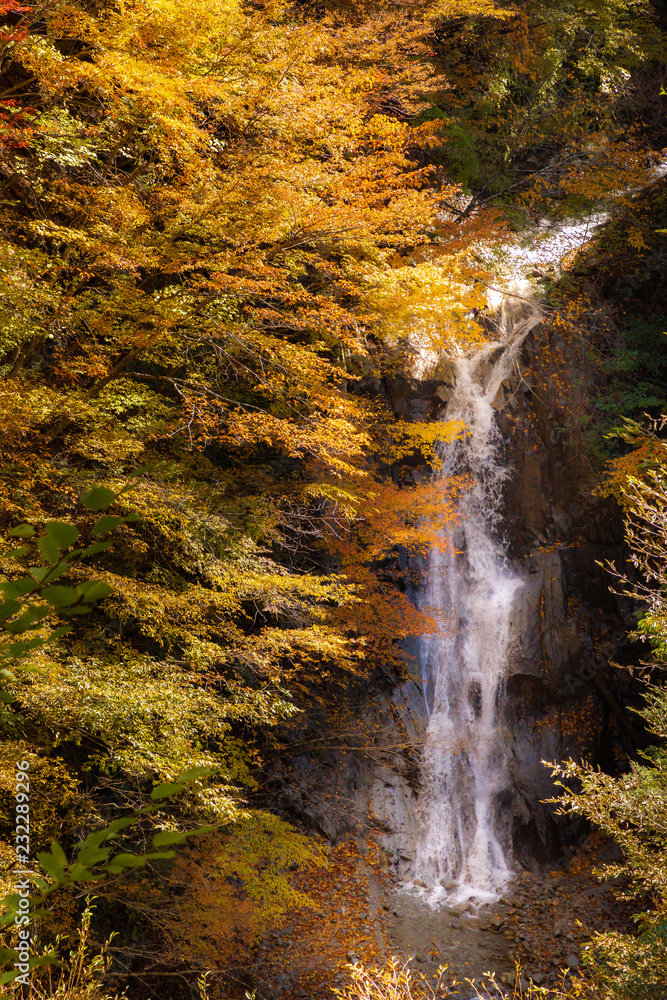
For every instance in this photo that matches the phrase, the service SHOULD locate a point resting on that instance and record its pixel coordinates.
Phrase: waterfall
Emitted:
(463, 849)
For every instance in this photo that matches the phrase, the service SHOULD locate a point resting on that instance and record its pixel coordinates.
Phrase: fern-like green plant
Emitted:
(29, 601)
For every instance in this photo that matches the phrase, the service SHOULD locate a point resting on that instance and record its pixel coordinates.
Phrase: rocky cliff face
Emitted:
(562, 698)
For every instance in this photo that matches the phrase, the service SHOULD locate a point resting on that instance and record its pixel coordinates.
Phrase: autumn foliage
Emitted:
(201, 203)
(222, 226)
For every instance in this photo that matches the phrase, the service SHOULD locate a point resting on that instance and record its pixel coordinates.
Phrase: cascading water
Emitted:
(463, 848)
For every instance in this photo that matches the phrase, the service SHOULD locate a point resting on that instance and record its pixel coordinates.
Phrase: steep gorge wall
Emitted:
(562, 697)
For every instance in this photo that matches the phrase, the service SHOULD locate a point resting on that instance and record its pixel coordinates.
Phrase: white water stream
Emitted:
(463, 850)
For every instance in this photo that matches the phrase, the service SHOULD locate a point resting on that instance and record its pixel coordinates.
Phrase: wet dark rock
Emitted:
(558, 532)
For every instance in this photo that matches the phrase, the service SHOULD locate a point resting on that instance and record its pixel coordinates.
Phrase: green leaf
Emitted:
(13, 650)
(118, 824)
(17, 588)
(56, 571)
(58, 853)
(93, 855)
(92, 550)
(169, 837)
(51, 958)
(129, 860)
(28, 668)
(174, 837)
(57, 633)
(62, 534)
(9, 608)
(108, 523)
(98, 498)
(17, 649)
(80, 873)
(97, 591)
(6, 698)
(27, 620)
(165, 791)
(11, 903)
(34, 643)
(159, 855)
(21, 551)
(49, 549)
(196, 772)
(51, 865)
(93, 840)
(148, 467)
(23, 531)
(60, 597)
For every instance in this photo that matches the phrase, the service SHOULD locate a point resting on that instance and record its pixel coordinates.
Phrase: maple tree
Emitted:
(193, 232)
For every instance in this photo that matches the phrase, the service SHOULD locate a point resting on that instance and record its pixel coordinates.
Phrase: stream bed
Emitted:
(362, 915)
